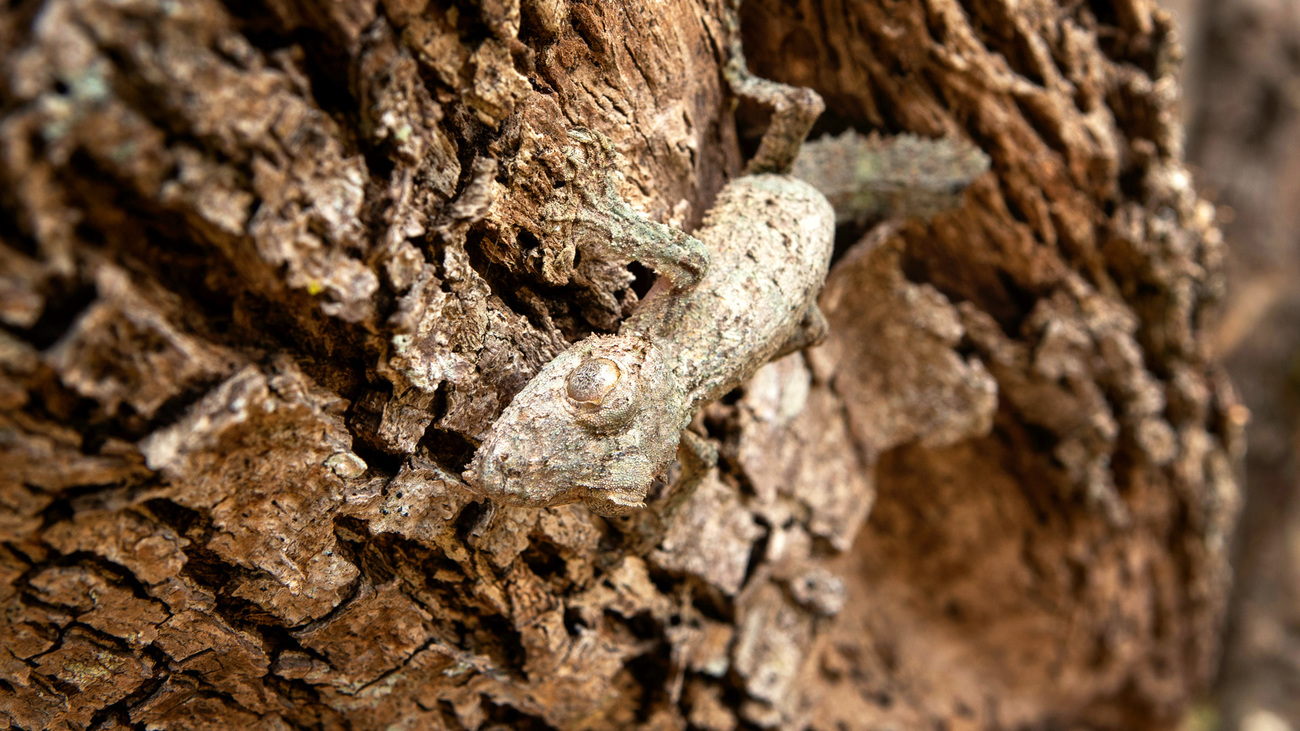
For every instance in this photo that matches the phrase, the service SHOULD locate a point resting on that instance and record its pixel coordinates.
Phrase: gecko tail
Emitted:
(869, 177)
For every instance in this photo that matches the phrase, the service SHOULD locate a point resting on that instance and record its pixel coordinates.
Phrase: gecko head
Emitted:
(596, 425)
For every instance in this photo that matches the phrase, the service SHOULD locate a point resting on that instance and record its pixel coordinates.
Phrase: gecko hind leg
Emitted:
(812, 330)
(794, 108)
(590, 208)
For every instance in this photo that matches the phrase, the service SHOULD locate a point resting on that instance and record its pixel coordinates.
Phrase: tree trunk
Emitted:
(271, 270)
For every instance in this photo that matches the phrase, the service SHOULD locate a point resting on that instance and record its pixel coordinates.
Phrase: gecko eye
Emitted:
(590, 382)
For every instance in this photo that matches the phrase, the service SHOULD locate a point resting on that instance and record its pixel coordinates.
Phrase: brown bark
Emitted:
(271, 269)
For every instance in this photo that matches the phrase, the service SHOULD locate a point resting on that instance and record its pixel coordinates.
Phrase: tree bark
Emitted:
(271, 270)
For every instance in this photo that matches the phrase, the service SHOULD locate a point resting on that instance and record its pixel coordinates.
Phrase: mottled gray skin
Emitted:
(561, 440)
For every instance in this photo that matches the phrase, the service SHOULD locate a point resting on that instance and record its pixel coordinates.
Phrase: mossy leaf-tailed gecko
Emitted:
(601, 420)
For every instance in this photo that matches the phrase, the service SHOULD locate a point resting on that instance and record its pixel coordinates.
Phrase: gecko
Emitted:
(608, 415)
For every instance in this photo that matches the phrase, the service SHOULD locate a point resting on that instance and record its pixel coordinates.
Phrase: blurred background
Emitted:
(1242, 108)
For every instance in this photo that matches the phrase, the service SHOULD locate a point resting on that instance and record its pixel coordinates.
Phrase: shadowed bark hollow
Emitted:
(269, 271)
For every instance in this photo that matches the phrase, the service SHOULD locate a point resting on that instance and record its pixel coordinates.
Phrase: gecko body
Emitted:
(603, 418)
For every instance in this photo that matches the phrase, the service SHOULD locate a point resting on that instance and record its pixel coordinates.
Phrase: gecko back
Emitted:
(769, 239)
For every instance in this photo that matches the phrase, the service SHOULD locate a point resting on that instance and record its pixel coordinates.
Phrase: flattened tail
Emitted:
(868, 177)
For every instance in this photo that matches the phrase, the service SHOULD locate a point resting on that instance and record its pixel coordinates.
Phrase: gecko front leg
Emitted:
(589, 208)
(645, 529)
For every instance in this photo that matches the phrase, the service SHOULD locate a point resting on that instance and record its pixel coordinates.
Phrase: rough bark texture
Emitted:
(270, 270)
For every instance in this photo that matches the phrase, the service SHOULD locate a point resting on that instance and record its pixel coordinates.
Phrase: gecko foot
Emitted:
(794, 108)
(645, 529)
(811, 331)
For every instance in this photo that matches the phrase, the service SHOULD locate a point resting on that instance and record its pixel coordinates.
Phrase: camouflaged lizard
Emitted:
(600, 421)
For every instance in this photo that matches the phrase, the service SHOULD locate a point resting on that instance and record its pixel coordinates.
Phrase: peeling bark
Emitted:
(269, 271)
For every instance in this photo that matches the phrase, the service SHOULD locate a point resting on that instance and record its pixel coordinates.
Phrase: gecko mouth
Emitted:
(498, 476)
